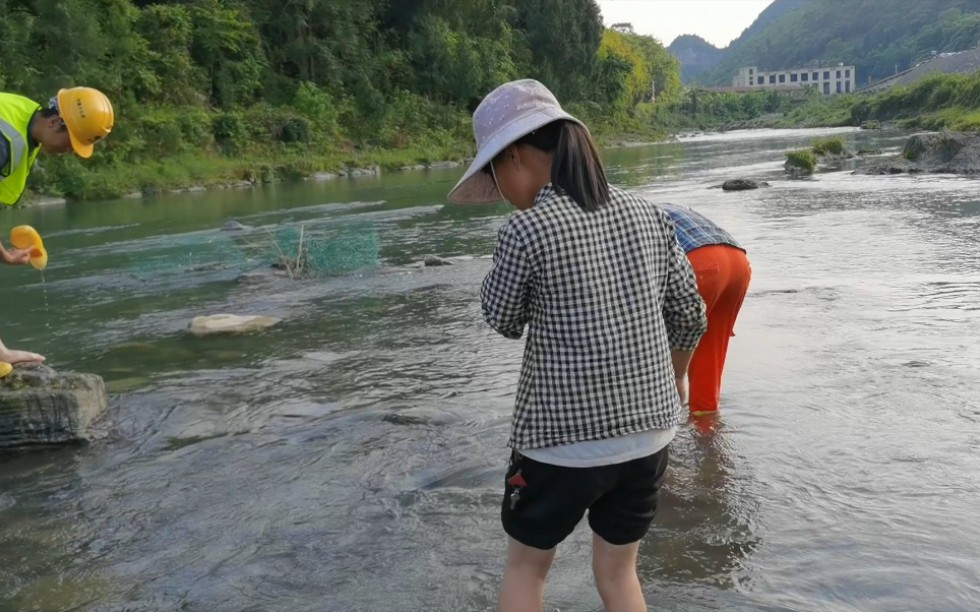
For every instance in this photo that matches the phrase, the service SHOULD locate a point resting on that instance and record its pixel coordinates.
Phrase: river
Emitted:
(352, 457)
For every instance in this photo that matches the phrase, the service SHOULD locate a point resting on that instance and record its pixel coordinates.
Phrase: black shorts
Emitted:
(543, 503)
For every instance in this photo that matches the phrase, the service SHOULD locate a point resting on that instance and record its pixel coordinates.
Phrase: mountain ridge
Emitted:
(871, 35)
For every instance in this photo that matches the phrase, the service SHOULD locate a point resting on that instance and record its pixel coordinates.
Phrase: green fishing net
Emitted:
(326, 251)
(303, 250)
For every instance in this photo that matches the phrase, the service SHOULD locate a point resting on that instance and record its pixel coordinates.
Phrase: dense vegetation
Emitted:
(949, 101)
(700, 109)
(877, 36)
(208, 90)
(226, 90)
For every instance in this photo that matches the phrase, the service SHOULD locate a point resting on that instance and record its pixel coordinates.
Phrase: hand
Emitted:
(681, 382)
(14, 257)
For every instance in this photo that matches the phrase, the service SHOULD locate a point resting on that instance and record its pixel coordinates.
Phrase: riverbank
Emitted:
(204, 169)
(941, 102)
(200, 171)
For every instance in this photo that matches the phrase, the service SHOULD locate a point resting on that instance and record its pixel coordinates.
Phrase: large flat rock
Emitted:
(229, 324)
(39, 405)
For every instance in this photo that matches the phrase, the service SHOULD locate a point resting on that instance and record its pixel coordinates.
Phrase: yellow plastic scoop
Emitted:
(26, 237)
(5, 368)
(39, 258)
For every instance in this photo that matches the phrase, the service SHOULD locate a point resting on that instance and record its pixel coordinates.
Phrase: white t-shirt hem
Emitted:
(594, 453)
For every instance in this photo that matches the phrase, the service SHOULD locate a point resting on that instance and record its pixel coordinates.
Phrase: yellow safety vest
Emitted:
(15, 122)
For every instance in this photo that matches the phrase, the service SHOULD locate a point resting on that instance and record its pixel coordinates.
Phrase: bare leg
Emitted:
(615, 576)
(11, 356)
(522, 589)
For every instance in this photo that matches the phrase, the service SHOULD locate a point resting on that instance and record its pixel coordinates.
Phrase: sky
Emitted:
(717, 21)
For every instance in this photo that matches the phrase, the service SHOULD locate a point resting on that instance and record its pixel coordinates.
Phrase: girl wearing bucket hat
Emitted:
(612, 313)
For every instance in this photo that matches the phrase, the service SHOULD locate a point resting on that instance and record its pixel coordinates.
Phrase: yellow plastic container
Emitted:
(26, 237)
(39, 258)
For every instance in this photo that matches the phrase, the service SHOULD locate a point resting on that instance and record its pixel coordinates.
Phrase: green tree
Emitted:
(563, 38)
(169, 32)
(226, 44)
(663, 69)
(459, 56)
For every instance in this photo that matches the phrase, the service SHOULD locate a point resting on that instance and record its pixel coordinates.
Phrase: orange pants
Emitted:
(723, 274)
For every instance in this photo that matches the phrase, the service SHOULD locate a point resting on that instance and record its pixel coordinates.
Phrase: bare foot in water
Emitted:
(11, 356)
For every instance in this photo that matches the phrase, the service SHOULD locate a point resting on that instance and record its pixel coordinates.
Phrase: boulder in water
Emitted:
(742, 185)
(39, 405)
(230, 324)
(435, 260)
(934, 152)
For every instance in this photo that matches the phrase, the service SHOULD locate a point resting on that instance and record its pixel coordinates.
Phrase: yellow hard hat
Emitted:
(88, 116)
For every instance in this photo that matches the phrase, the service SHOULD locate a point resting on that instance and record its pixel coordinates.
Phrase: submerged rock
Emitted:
(742, 185)
(369, 171)
(895, 167)
(795, 171)
(435, 260)
(234, 226)
(445, 164)
(230, 324)
(39, 405)
(323, 176)
(262, 275)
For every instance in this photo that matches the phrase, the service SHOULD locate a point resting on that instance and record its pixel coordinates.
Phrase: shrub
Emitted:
(293, 129)
(227, 128)
(829, 146)
(802, 160)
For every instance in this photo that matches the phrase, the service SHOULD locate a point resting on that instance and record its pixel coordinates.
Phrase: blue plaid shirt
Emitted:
(694, 230)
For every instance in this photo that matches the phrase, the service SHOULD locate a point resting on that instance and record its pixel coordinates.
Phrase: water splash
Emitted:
(47, 309)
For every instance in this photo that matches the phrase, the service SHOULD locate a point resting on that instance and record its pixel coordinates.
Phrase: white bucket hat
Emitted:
(508, 113)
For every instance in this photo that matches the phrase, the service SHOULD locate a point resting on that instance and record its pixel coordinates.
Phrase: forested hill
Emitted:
(274, 80)
(695, 54)
(877, 36)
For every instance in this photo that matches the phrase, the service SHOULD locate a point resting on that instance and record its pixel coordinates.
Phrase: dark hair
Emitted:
(577, 169)
(47, 113)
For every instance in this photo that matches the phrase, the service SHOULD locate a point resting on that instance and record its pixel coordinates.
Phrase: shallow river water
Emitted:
(352, 457)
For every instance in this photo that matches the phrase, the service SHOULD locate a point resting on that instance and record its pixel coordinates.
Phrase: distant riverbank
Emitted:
(937, 103)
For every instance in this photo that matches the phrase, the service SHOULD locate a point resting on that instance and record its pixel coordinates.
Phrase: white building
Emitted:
(829, 81)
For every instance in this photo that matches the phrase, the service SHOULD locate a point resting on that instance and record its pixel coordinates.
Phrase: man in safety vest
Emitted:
(75, 120)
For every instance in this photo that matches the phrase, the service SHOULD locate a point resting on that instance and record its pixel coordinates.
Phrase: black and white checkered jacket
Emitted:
(605, 296)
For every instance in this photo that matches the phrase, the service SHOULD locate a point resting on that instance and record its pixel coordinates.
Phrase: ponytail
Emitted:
(577, 170)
